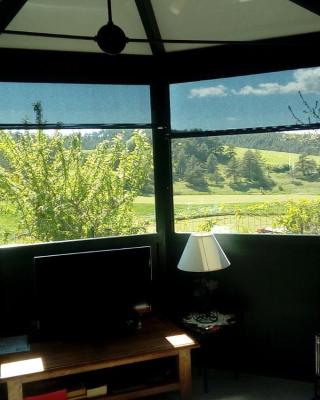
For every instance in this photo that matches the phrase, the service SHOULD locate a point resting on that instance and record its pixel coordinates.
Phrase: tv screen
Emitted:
(90, 294)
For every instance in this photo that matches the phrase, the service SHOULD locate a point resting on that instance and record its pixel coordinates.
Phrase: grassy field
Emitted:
(143, 204)
(276, 157)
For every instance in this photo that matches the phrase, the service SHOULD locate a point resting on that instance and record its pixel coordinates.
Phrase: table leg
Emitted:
(185, 374)
(14, 390)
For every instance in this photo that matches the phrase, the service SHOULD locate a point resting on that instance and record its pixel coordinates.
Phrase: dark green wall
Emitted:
(274, 284)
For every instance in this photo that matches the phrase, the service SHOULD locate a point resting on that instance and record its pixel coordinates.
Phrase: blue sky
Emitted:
(240, 102)
(75, 103)
(243, 102)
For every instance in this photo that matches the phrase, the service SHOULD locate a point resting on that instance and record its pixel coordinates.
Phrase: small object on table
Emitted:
(208, 321)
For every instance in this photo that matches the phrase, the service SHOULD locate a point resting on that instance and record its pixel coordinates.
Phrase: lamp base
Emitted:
(204, 296)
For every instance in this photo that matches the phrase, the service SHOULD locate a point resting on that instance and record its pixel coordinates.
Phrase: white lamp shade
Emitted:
(203, 253)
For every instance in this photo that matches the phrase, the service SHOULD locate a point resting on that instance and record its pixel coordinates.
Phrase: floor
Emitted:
(224, 386)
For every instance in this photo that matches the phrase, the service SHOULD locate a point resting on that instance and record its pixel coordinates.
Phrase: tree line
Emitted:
(203, 161)
(308, 143)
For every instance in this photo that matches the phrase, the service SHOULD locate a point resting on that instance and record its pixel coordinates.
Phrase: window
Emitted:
(246, 154)
(75, 162)
(244, 102)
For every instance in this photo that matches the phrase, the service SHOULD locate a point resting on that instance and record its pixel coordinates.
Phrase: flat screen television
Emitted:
(92, 293)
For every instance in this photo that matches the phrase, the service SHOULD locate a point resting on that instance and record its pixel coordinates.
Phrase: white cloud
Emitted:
(219, 90)
(309, 79)
(304, 80)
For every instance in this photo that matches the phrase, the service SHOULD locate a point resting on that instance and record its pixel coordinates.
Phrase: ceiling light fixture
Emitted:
(110, 37)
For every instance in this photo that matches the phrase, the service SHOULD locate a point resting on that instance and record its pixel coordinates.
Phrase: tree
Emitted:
(311, 112)
(253, 169)
(148, 187)
(201, 152)
(195, 178)
(233, 169)
(302, 216)
(179, 164)
(62, 193)
(306, 166)
(310, 115)
(37, 108)
(212, 163)
(230, 152)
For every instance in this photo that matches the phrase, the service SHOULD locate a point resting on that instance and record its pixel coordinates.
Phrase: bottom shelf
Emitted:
(130, 381)
(136, 392)
(143, 392)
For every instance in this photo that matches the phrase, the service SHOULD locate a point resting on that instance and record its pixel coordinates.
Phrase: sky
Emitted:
(75, 103)
(229, 103)
(245, 101)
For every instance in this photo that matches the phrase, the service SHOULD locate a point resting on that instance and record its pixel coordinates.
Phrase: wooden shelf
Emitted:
(135, 394)
(146, 344)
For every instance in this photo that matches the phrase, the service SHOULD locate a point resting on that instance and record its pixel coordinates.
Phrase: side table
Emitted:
(207, 328)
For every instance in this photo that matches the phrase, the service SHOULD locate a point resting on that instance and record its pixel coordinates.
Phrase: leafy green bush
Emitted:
(61, 192)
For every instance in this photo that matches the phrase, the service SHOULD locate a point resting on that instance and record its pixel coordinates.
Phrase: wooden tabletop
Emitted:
(69, 357)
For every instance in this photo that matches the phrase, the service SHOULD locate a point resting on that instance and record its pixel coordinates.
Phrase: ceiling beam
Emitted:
(311, 5)
(150, 25)
(276, 54)
(76, 67)
(8, 10)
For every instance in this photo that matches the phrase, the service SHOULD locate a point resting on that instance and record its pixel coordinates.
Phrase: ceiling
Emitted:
(233, 20)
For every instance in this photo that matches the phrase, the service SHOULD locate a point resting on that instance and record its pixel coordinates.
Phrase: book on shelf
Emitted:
(56, 395)
(97, 391)
(77, 393)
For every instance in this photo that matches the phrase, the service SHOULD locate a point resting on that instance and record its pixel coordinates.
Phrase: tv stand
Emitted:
(148, 343)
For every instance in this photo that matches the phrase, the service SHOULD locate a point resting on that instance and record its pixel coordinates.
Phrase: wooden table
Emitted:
(148, 343)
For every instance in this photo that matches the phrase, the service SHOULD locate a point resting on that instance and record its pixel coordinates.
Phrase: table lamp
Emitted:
(202, 254)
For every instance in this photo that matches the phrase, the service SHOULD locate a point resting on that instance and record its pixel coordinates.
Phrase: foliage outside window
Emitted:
(66, 184)
(250, 183)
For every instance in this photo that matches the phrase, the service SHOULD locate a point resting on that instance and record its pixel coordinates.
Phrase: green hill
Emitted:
(276, 157)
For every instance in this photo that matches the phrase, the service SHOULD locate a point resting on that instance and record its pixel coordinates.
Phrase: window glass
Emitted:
(248, 182)
(74, 103)
(66, 184)
(261, 100)
(252, 183)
